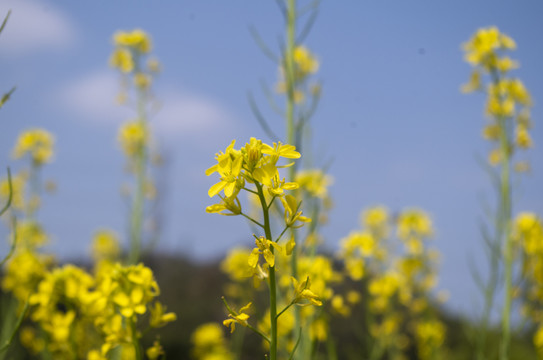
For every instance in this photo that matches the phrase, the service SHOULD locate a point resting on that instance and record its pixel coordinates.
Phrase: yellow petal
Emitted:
(269, 257)
(215, 189)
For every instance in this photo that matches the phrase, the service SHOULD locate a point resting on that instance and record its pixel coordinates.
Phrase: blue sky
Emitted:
(391, 117)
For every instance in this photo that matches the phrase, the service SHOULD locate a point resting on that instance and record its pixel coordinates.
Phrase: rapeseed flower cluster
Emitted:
(255, 163)
(131, 50)
(305, 64)
(73, 313)
(133, 137)
(27, 266)
(398, 281)
(37, 144)
(528, 235)
(508, 110)
(209, 343)
(508, 100)
(255, 168)
(82, 315)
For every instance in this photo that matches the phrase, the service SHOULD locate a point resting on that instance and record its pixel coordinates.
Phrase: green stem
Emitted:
(292, 140)
(503, 226)
(489, 293)
(505, 222)
(251, 219)
(136, 228)
(272, 281)
(289, 71)
(135, 342)
(285, 309)
(34, 192)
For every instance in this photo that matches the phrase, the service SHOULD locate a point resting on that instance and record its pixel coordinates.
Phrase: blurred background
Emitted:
(392, 122)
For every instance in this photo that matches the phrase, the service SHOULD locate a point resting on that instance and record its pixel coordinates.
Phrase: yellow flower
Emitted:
(155, 351)
(355, 268)
(505, 64)
(518, 92)
(375, 218)
(414, 222)
(292, 215)
(18, 183)
(95, 355)
(303, 293)
(136, 39)
(227, 207)
(142, 81)
(256, 162)
(318, 330)
(268, 175)
(31, 235)
(500, 107)
(523, 139)
(263, 247)
(207, 335)
(474, 83)
(353, 297)
(158, 317)
(133, 137)
(230, 182)
(105, 245)
(36, 142)
(229, 165)
(237, 318)
(529, 229)
(235, 264)
(209, 343)
(306, 63)
(385, 285)
(23, 273)
(280, 150)
(122, 60)
(314, 181)
(430, 336)
(338, 304)
(482, 47)
(495, 157)
(58, 325)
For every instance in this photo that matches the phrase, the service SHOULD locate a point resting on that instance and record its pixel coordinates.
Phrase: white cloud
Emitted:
(184, 113)
(34, 26)
(91, 98)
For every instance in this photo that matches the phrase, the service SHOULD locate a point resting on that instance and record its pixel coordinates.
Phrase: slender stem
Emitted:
(34, 192)
(264, 337)
(135, 342)
(10, 196)
(249, 190)
(296, 345)
(489, 300)
(505, 223)
(250, 218)
(285, 309)
(271, 202)
(292, 137)
(289, 70)
(282, 233)
(272, 281)
(136, 228)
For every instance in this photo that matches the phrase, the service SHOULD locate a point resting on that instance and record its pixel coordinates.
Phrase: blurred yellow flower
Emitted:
(36, 142)
(133, 137)
(137, 39)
